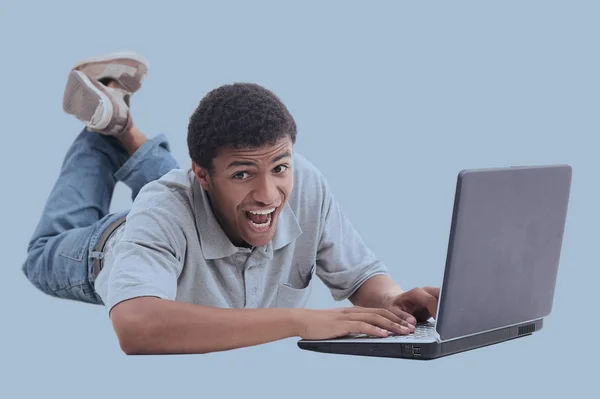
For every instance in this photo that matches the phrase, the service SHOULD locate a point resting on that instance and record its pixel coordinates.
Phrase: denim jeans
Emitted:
(59, 255)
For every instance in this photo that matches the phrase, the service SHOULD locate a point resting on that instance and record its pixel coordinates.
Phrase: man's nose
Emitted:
(266, 191)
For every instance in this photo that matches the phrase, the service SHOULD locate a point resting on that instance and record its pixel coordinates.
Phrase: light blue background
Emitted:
(392, 99)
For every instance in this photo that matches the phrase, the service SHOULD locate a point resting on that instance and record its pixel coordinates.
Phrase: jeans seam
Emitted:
(68, 287)
(80, 259)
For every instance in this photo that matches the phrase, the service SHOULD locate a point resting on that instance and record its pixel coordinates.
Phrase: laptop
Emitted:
(501, 266)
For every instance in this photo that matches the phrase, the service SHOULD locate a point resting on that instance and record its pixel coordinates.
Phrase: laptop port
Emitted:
(416, 350)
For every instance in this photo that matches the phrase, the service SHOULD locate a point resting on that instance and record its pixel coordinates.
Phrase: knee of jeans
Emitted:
(38, 276)
(81, 292)
(30, 265)
(32, 269)
(36, 244)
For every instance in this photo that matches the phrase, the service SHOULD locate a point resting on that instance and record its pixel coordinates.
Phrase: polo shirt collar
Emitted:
(215, 243)
(288, 229)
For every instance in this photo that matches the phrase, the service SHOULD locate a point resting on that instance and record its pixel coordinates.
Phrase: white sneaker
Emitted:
(103, 109)
(126, 67)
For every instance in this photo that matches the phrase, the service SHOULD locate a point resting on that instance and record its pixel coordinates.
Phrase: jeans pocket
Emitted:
(69, 272)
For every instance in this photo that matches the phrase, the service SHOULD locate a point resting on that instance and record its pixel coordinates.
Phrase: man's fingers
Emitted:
(380, 321)
(397, 326)
(354, 309)
(361, 327)
(430, 299)
(399, 317)
(430, 302)
(433, 291)
(426, 300)
(405, 316)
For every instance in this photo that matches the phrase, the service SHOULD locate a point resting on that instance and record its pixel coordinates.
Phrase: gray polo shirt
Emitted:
(172, 247)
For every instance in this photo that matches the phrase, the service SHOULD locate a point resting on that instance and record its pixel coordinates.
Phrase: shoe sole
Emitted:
(117, 55)
(82, 99)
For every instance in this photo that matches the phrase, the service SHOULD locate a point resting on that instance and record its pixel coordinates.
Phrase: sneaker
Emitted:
(126, 67)
(103, 109)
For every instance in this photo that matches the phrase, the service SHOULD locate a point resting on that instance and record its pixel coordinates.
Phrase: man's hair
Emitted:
(240, 115)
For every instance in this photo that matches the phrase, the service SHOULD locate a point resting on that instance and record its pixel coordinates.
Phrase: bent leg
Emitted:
(84, 188)
(77, 210)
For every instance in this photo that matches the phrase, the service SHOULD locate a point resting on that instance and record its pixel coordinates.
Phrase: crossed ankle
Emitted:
(132, 139)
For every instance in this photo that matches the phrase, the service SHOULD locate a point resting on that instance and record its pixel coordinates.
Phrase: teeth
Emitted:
(263, 212)
(259, 226)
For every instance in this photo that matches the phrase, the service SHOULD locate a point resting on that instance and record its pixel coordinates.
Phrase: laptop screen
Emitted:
(504, 248)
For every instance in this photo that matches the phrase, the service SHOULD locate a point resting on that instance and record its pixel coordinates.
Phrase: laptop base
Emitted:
(423, 350)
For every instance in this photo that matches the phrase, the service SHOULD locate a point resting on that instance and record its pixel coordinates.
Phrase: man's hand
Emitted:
(334, 323)
(419, 302)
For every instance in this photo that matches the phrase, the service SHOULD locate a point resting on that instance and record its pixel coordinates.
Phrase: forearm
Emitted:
(375, 292)
(161, 326)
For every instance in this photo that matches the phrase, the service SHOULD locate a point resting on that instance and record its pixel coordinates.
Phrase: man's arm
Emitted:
(376, 292)
(148, 325)
(416, 305)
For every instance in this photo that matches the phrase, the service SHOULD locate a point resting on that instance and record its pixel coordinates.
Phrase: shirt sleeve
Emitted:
(344, 262)
(148, 258)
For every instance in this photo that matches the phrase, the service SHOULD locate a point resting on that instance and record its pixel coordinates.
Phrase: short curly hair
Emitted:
(239, 115)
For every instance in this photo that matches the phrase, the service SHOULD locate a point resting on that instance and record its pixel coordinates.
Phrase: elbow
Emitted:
(130, 345)
(131, 322)
(130, 348)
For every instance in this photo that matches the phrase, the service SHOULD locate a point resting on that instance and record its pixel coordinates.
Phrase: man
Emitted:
(216, 257)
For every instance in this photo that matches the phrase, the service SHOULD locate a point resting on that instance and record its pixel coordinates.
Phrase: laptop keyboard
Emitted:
(423, 330)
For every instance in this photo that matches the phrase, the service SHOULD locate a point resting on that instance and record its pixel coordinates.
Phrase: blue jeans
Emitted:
(60, 253)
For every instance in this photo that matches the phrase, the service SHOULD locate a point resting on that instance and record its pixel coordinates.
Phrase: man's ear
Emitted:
(201, 175)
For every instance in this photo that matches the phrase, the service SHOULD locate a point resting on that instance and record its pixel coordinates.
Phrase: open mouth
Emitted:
(261, 220)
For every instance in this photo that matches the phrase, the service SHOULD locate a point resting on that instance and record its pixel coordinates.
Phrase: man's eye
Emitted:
(280, 168)
(241, 175)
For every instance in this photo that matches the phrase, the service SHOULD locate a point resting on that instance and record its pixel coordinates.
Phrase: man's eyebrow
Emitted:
(240, 163)
(279, 157)
(251, 163)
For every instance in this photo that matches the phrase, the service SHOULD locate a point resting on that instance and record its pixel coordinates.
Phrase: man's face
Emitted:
(248, 189)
